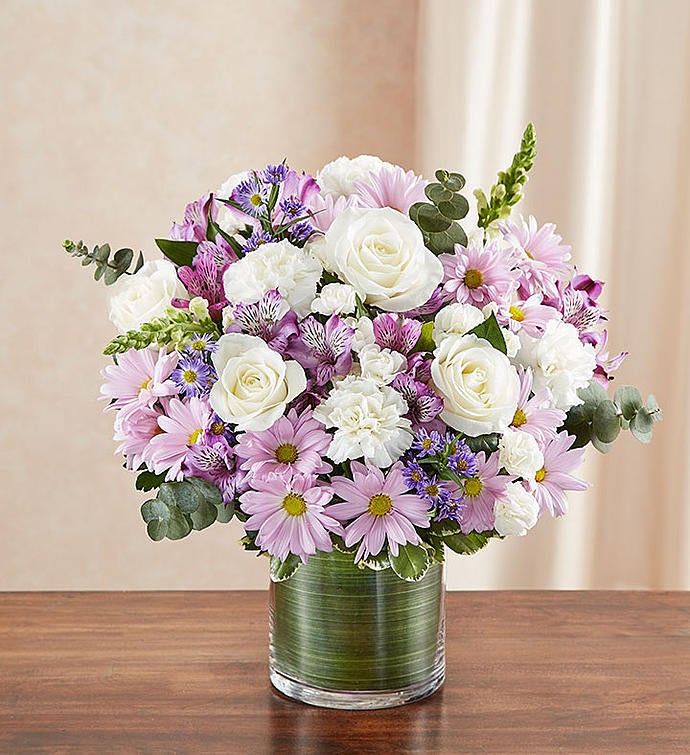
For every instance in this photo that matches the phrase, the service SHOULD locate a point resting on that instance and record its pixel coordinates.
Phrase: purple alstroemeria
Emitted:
(324, 350)
(605, 364)
(396, 332)
(419, 367)
(302, 186)
(193, 227)
(217, 463)
(204, 279)
(270, 318)
(437, 299)
(423, 404)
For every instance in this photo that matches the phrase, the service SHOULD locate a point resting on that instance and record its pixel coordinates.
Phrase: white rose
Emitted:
(381, 254)
(228, 218)
(516, 511)
(369, 422)
(254, 383)
(335, 298)
(147, 294)
(381, 365)
(559, 362)
(294, 272)
(519, 454)
(338, 178)
(479, 386)
(456, 319)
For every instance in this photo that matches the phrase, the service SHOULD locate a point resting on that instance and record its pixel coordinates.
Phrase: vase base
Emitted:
(359, 699)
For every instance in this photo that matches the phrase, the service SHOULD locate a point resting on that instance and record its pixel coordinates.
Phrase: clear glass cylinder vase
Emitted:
(346, 637)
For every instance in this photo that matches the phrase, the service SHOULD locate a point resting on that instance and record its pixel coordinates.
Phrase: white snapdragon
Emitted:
(516, 511)
(142, 297)
(559, 362)
(479, 386)
(519, 454)
(381, 365)
(277, 265)
(338, 178)
(380, 253)
(456, 319)
(368, 421)
(254, 382)
(335, 299)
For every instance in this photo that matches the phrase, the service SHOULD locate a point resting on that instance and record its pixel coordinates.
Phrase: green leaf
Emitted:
(376, 563)
(225, 512)
(179, 525)
(628, 399)
(411, 563)
(437, 193)
(603, 448)
(148, 480)
(155, 510)
(204, 516)
(593, 394)
(425, 342)
(179, 252)
(642, 425)
(157, 529)
(445, 241)
(455, 208)
(183, 495)
(653, 408)
(468, 544)
(452, 181)
(282, 570)
(444, 527)
(428, 218)
(207, 489)
(140, 263)
(339, 545)
(122, 259)
(436, 548)
(605, 422)
(491, 331)
(578, 422)
(487, 443)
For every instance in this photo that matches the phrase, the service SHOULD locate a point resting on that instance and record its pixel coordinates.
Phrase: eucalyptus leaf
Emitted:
(641, 426)
(411, 563)
(437, 193)
(157, 529)
(628, 399)
(593, 393)
(122, 259)
(179, 525)
(605, 422)
(429, 219)
(155, 510)
(207, 489)
(183, 494)
(204, 516)
(455, 208)
(225, 512)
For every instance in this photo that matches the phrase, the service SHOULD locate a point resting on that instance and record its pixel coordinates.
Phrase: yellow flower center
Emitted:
(145, 384)
(427, 443)
(519, 418)
(540, 475)
(473, 486)
(256, 200)
(194, 437)
(416, 476)
(517, 314)
(380, 504)
(432, 490)
(294, 504)
(189, 376)
(286, 453)
(217, 428)
(461, 465)
(473, 278)
(199, 345)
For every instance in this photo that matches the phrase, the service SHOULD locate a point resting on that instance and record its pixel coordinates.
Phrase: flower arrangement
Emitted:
(336, 363)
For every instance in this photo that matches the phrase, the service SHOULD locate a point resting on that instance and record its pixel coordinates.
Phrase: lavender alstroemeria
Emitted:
(423, 404)
(605, 364)
(204, 279)
(437, 299)
(270, 318)
(419, 367)
(193, 227)
(396, 332)
(218, 464)
(324, 350)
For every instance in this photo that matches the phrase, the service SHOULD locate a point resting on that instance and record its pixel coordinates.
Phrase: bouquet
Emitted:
(337, 363)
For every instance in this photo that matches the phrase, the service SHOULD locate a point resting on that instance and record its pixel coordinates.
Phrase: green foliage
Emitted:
(470, 543)
(107, 267)
(176, 330)
(487, 443)
(437, 218)
(282, 570)
(506, 192)
(149, 480)
(180, 507)
(425, 342)
(179, 252)
(411, 563)
(491, 331)
(598, 420)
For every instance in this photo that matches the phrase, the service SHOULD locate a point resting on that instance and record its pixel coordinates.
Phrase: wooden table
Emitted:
(527, 672)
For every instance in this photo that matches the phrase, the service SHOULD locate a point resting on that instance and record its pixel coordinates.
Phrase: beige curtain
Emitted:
(119, 112)
(607, 85)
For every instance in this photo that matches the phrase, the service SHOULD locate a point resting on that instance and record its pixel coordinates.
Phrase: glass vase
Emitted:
(346, 637)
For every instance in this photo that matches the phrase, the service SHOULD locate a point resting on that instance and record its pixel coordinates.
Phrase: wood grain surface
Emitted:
(187, 672)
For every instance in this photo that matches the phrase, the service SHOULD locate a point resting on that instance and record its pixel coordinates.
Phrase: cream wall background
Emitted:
(119, 112)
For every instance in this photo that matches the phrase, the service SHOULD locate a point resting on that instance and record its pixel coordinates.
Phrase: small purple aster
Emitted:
(193, 375)
(217, 430)
(292, 207)
(433, 490)
(301, 231)
(427, 443)
(202, 343)
(451, 508)
(275, 174)
(462, 461)
(252, 196)
(414, 475)
(256, 240)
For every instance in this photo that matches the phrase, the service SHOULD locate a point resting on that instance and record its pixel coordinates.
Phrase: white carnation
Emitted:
(338, 178)
(228, 218)
(516, 511)
(369, 422)
(519, 454)
(364, 332)
(559, 362)
(335, 298)
(280, 265)
(142, 297)
(381, 365)
(380, 253)
(512, 342)
(456, 319)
